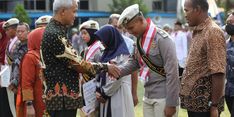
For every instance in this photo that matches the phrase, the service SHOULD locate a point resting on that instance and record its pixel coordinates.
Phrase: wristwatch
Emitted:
(210, 103)
(29, 103)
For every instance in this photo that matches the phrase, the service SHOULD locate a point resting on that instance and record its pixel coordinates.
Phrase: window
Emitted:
(84, 5)
(29, 4)
(157, 5)
(34, 4)
(40, 5)
(3, 7)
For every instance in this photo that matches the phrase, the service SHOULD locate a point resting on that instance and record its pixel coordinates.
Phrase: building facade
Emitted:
(95, 9)
(90, 5)
(152, 5)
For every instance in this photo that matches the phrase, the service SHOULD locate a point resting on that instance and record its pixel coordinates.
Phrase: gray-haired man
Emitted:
(62, 64)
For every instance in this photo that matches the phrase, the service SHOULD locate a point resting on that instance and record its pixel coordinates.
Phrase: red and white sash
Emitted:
(92, 50)
(9, 50)
(146, 41)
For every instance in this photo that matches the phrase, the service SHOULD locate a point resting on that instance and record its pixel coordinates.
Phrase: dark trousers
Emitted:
(4, 104)
(230, 104)
(198, 114)
(62, 113)
(181, 71)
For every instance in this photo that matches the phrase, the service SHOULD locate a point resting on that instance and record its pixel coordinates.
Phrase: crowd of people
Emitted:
(96, 72)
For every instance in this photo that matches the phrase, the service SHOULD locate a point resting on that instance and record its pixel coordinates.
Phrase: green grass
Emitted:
(182, 112)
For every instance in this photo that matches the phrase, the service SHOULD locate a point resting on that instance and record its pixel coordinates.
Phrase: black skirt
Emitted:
(4, 104)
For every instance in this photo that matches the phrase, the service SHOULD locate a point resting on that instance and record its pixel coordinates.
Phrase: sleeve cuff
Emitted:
(172, 102)
(15, 82)
(27, 94)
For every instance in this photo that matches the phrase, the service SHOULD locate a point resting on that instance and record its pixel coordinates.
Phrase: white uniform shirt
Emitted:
(180, 40)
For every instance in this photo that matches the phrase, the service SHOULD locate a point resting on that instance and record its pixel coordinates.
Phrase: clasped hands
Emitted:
(86, 67)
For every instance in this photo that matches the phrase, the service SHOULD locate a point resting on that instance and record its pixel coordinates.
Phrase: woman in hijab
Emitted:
(94, 50)
(92, 53)
(29, 95)
(115, 95)
(4, 105)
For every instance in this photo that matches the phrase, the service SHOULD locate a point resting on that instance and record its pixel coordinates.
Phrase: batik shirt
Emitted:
(62, 80)
(20, 50)
(207, 56)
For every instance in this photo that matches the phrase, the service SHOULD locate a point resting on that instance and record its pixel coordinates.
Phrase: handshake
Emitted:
(88, 69)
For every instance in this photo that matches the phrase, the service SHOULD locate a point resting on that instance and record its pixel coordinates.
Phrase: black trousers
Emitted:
(62, 113)
(181, 71)
(4, 104)
(198, 114)
(230, 104)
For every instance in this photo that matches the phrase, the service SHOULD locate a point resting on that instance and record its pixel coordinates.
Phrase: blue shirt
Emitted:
(229, 89)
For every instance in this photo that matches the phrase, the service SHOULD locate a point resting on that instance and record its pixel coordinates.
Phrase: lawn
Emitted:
(182, 112)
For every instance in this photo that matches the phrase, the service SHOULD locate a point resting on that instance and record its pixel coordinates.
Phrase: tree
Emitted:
(223, 4)
(119, 5)
(21, 14)
(229, 6)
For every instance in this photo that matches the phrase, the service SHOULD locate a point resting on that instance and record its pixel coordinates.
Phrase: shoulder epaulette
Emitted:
(163, 33)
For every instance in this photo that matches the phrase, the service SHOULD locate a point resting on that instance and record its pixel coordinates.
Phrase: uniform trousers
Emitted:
(155, 107)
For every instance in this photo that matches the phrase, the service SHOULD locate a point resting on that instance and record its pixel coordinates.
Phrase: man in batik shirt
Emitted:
(202, 86)
(63, 65)
(20, 50)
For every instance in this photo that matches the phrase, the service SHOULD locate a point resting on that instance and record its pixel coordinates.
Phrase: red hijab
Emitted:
(34, 40)
(3, 43)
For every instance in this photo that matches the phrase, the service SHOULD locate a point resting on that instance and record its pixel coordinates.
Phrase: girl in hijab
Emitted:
(115, 95)
(92, 53)
(29, 95)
